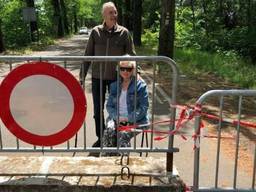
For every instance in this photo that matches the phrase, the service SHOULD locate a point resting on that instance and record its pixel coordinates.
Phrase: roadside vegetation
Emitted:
(217, 37)
(228, 65)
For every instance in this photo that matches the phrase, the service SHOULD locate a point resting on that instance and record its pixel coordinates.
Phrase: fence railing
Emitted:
(79, 143)
(233, 116)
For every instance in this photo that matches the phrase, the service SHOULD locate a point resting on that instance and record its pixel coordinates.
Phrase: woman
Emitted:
(128, 114)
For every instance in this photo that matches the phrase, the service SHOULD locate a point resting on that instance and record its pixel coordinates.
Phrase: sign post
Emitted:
(29, 16)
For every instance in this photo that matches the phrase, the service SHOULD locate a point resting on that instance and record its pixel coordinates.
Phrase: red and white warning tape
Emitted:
(187, 114)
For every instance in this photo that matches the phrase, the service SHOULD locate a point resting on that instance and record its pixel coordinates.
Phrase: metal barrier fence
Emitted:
(74, 62)
(240, 96)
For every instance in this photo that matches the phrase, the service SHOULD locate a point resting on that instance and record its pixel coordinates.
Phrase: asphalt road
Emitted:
(183, 160)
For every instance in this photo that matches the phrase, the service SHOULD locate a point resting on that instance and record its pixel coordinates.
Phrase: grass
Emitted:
(36, 46)
(226, 65)
(146, 51)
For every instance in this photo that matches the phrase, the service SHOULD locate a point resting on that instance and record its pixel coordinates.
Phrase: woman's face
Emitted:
(126, 69)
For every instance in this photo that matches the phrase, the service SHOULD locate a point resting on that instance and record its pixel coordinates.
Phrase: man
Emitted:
(108, 39)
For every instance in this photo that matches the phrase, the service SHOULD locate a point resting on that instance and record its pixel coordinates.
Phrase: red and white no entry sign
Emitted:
(42, 103)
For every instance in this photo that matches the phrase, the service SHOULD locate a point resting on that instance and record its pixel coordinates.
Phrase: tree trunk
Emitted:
(249, 16)
(137, 12)
(64, 16)
(193, 15)
(118, 5)
(179, 9)
(127, 20)
(204, 6)
(33, 24)
(166, 48)
(221, 11)
(242, 13)
(166, 34)
(2, 49)
(58, 23)
(75, 21)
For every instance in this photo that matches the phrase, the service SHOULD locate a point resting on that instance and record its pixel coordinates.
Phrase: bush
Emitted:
(240, 39)
(150, 38)
(16, 32)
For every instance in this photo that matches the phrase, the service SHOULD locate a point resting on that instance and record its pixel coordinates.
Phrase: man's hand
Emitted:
(81, 83)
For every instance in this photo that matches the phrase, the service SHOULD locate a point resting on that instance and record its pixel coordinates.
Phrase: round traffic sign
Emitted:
(42, 103)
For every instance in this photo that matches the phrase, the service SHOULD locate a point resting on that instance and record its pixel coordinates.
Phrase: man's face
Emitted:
(110, 16)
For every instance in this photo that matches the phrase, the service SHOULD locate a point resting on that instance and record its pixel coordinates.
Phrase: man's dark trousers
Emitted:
(98, 94)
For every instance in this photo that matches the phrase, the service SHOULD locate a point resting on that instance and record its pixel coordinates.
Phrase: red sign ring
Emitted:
(48, 69)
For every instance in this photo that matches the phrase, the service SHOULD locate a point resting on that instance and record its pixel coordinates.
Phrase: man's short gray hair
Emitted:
(107, 4)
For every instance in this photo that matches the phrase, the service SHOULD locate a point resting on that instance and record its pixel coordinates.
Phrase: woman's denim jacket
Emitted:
(141, 101)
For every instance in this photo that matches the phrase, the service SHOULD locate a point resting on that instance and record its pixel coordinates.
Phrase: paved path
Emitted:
(183, 160)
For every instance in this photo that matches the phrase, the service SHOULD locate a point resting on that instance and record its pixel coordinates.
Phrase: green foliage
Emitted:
(14, 29)
(226, 64)
(150, 38)
(206, 45)
(89, 12)
(151, 14)
(45, 20)
(211, 28)
(183, 36)
(146, 51)
(240, 39)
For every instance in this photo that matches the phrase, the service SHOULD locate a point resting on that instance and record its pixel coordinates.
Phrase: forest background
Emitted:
(203, 36)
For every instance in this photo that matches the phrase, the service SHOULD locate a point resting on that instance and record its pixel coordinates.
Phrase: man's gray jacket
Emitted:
(102, 42)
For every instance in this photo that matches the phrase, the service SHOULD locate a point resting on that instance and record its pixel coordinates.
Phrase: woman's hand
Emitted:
(123, 119)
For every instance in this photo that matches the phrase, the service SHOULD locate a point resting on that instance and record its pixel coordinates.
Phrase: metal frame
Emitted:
(221, 93)
(80, 59)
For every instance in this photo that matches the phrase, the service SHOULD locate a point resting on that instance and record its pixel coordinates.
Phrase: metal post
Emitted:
(196, 153)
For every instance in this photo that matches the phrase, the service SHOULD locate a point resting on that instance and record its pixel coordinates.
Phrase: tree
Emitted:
(75, 20)
(151, 16)
(2, 48)
(64, 17)
(89, 12)
(14, 29)
(193, 15)
(57, 18)
(119, 7)
(167, 25)
(1, 38)
(127, 20)
(137, 13)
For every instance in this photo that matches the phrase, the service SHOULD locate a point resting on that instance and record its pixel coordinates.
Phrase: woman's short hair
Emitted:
(131, 64)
